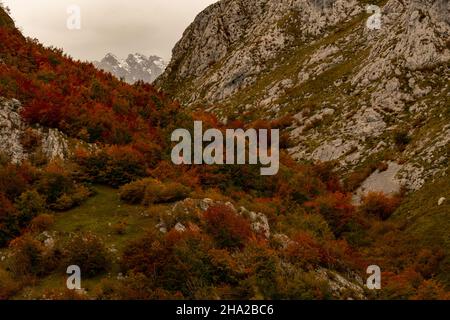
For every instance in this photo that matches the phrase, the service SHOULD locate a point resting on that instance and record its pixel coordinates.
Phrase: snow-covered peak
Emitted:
(137, 57)
(110, 58)
(134, 68)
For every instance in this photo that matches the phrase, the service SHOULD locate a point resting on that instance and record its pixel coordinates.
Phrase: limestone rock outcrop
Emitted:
(358, 95)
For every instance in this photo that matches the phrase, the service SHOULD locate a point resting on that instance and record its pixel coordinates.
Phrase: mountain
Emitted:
(374, 103)
(86, 180)
(134, 68)
(358, 97)
(75, 140)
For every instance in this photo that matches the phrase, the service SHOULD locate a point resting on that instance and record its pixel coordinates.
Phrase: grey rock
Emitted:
(180, 227)
(54, 144)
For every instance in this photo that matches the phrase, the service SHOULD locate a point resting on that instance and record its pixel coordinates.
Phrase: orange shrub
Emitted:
(177, 261)
(305, 251)
(89, 253)
(337, 210)
(42, 222)
(229, 229)
(31, 257)
(379, 205)
(114, 165)
(165, 193)
(428, 261)
(225, 266)
(400, 286)
(431, 290)
(29, 205)
(120, 228)
(339, 255)
(133, 193)
(325, 171)
(167, 171)
(12, 181)
(8, 220)
(8, 285)
(30, 139)
(145, 255)
(149, 191)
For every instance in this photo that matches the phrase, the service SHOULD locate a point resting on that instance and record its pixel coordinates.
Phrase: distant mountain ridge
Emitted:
(134, 68)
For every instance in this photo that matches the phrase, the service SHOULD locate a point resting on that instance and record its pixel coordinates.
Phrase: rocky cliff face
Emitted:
(136, 67)
(19, 141)
(231, 42)
(360, 96)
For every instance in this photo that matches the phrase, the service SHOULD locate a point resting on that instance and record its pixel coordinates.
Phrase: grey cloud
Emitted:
(121, 27)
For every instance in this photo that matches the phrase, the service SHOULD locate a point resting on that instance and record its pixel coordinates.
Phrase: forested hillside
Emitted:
(140, 227)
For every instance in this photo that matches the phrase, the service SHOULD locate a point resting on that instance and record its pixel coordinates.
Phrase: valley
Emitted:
(91, 174)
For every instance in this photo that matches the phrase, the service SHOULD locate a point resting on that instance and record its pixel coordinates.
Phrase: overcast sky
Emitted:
(117, 26)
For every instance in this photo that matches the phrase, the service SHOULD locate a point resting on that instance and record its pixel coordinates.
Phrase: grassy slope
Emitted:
(100, 213)
(429, 222)
(97, 215)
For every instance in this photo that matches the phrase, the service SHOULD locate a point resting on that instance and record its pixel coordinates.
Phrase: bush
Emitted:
(357, 177)
(400, 286)
(31, 257)
(133, 193)
(300, 285)
(165, 193)
(89, 253)
(305, 251)
(42, 223)
(337, 210)
(54, 182)
(114, 166)
(302, 186)
(297, 220)
(428, 262)
(150, 191)
(188, 267)
(401, 139)
(225, 266)
(262, 267)
(9, 227)
(146, 255)
(177, 261)
(29, 205)
(12, 182)
(431, 290)
(120, 228)
(63, 203)
(73, 199)
(339, 256)
(125, 164)
(379, 205)
(30, 140)
(80, 194)
(8, 286)
(228, 229)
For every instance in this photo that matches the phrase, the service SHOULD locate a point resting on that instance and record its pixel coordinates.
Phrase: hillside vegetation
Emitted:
(373, 103)
(140, 227)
